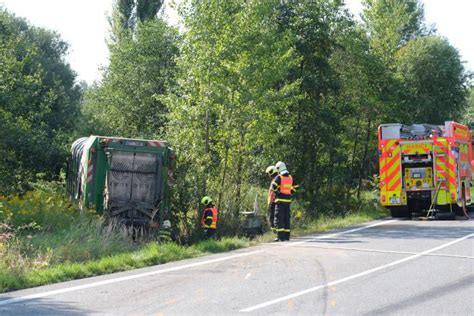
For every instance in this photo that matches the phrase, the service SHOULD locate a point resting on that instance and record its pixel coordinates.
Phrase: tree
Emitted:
(468, 117)
(147, 9)
(127, 14)
(392, 23)
(232, 89)
(433, 81)
(142, 65)
(338, 101)
(38, 102)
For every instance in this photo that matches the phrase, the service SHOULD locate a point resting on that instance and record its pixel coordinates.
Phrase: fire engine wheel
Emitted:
(400, 212)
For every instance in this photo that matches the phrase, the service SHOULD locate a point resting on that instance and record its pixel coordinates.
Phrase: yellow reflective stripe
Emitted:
(395, 166)
(391, 142)
(388, 145)
(282, 200)
(460, 132)
(394, 180)
(381, 163)
(279, 229)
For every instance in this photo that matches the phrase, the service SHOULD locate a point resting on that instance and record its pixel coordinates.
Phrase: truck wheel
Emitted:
(400, 212)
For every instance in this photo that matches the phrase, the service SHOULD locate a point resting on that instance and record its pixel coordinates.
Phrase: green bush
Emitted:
(48, 211)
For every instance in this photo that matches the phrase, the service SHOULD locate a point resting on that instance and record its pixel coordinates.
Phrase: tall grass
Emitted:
(45, 239)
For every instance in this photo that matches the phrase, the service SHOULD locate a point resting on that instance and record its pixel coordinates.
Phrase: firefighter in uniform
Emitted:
(209, 218)
(272, 173)
(283, 187)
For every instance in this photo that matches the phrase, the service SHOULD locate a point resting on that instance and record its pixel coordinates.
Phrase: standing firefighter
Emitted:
(209, 218)
(282, 185)
(272, 173)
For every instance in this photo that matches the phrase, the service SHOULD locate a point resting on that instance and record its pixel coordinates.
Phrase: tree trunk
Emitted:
(354, 149)
(239, 172)
(353, 158)
(223, 176)
(364, 157)
(206, 155)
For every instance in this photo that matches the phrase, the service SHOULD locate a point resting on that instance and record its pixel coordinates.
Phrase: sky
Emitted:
(84, 25)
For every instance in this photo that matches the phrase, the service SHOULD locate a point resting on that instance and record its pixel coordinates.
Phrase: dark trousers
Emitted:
(271, 214)
(282, 220)
(209, 233)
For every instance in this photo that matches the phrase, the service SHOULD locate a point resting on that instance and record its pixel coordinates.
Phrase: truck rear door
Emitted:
(134, 176)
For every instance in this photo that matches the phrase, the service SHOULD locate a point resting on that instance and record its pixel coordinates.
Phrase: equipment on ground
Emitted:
(252, 225)
(127, 179)
(425, 167)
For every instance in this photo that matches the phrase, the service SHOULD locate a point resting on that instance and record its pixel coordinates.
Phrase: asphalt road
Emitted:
(379, 268)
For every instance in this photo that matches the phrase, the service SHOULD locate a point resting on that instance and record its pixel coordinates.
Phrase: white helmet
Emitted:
(281, 167)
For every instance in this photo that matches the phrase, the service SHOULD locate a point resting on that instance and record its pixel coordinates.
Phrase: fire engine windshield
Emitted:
(415, 131)
(390, 131)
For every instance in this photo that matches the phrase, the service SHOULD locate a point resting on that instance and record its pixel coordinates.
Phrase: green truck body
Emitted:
(128, 179)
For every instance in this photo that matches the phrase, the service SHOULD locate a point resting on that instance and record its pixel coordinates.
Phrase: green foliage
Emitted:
(433, 81)
(468, 117)
(49, 211)
(392, 23)
(313, 150)
(245, 84)
(147, 9)
(232, 87)
(127, 13)
(38, 103)
(142, 65)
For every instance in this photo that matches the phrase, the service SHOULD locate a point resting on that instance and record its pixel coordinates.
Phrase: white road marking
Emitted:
(392, 251)
(292, 244)
(354, 276)
(125, 278)
(183, 267)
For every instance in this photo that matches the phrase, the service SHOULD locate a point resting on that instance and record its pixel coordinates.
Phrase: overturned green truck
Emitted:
(127, 179)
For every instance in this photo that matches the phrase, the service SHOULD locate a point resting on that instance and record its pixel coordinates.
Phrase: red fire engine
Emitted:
(424, 166)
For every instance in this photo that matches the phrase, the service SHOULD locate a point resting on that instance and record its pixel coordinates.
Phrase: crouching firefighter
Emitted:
(283, 187)
(209, 218)
(272, 173)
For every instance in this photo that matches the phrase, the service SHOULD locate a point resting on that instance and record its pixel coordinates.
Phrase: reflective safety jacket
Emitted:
(209, 217)
(271, 194)
(282, 185)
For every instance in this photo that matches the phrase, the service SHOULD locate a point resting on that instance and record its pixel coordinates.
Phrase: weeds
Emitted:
(46, 239)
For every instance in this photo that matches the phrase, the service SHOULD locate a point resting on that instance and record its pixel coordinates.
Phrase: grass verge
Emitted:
(150, 254)
(32, 256)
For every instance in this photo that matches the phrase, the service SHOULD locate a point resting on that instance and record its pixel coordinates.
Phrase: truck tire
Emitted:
(400, 212)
